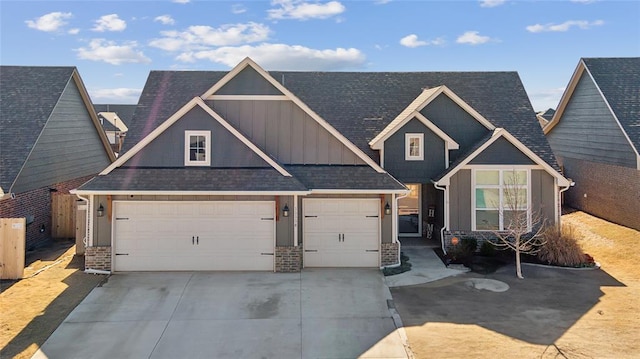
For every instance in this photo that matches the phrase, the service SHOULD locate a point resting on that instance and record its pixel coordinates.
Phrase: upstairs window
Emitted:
(197, 150)
(414, 146)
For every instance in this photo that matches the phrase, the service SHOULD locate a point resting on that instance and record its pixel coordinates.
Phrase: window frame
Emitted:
(502, 207)
(407, 145)
(187, 148)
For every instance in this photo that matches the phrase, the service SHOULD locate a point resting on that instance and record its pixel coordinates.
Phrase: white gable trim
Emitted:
(209, 95)
(450, 142)
(497, 133)
(196, 101)
(420, 103)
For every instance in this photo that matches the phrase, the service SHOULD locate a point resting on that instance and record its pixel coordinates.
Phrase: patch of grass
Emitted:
(404, 266)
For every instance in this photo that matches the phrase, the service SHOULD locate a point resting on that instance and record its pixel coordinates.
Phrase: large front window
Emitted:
(501, 199)
(197, 148)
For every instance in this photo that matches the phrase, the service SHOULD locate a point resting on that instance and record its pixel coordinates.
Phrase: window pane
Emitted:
(488, 177)
(487, 198)
(514, 177)
(515, 219)
(487, 220)
(414, 147)
(197, 145)
(514, 198)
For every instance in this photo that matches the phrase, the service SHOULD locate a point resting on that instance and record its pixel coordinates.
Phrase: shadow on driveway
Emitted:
(538, 309)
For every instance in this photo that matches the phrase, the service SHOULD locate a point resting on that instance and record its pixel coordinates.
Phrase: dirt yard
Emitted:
(552, 313)
(32, 308)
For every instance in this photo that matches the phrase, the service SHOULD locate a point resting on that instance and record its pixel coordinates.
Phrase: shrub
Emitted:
(463, 251)
(561, 248)
(487, 249)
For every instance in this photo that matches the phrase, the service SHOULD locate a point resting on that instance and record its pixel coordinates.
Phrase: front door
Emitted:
(410, 213)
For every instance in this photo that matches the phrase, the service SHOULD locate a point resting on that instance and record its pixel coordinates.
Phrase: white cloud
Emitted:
(165, 20)
(117, 95)
(112, 53)
(472, 38)
(382, 2)
(49, 22)
(412, 41)
(565, 26)
(200, 37)
(301, 10)
(109, 22)
(238, 9)
(181, 1)
(74, 31)
(281, 57)
(491, 3)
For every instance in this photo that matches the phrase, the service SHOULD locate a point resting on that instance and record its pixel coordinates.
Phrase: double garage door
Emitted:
(156, 236)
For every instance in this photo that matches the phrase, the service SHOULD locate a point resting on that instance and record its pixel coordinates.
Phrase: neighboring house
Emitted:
(545, 116)
(114, 119)
(50, 141)
(256, 170)
(595, 134)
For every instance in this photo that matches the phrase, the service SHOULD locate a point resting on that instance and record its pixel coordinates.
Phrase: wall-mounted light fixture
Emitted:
(100, 210)
(387, 209)
(285, 211)
(42, 228)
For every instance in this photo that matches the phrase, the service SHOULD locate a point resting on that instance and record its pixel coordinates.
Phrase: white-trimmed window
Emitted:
(414, 146)
(500, 198)
(197, 148)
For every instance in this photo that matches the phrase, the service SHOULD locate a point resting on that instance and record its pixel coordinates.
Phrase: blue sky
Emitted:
(115, 44)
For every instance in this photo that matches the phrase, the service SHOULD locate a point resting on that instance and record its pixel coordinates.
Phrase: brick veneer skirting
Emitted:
(608, 192)
(97, 258)
(389, 254)
(288, 259)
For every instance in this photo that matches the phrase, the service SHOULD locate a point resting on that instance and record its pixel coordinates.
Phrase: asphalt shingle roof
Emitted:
(125, 112)
(28, 95)
(343, 177)
(193, 179)
(619, 81)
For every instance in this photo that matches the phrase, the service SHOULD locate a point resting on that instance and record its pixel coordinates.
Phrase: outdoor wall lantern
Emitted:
(42, 228)
(387, 209)
(285, 211)
(100, 210)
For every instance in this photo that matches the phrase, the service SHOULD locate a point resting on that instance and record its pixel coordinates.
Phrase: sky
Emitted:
(114, 44)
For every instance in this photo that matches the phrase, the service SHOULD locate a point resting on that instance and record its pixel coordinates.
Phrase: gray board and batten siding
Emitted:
(461, 208)
(285, 132)
(455, 122)
(588, 131)
(167, 150)
(69, 145)
(418, 171)
(502, 152)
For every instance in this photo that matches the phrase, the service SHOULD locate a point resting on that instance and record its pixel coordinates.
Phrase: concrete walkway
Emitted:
(426, 267)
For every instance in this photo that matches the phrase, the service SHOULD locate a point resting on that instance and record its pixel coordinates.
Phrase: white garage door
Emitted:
(157, 236)
(341, 232)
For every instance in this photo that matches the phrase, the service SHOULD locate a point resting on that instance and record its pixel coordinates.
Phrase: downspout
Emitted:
(394, 226)
(562, 190)
(85, 240)
(446, 215)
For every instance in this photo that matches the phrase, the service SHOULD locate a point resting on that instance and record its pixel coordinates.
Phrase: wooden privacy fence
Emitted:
(12, 242)
(63, 216)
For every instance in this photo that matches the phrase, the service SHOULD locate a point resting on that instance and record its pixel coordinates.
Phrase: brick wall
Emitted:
(389, 254)
(97, 258)
(288, 259)
(35, 205)
(605, 191)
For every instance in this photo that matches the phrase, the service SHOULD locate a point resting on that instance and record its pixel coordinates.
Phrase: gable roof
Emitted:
(125, 112)
(28, 97)
(413, 110)
(112, 122)
(359, 105)
(483, 144)
(196, 101)
(618, 81)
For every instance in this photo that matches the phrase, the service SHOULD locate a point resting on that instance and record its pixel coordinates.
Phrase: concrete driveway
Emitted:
(329, 313)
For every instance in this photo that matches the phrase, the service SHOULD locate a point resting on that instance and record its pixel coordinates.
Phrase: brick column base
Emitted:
(97, 258)
(288, 259)
(390, 254)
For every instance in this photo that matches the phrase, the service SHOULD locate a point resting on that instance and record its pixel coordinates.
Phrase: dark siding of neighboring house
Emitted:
(69, 146)
(414, 171)
(248, 82)
(588, 131)
(501, 152)
(168, 149)
(285, 132)
(455, 122)
(460, 201)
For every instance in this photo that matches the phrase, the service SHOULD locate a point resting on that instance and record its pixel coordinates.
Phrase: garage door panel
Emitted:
(194, 236)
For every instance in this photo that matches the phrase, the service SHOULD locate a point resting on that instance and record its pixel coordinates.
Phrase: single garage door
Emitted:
(341, 232)
(168, 236)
